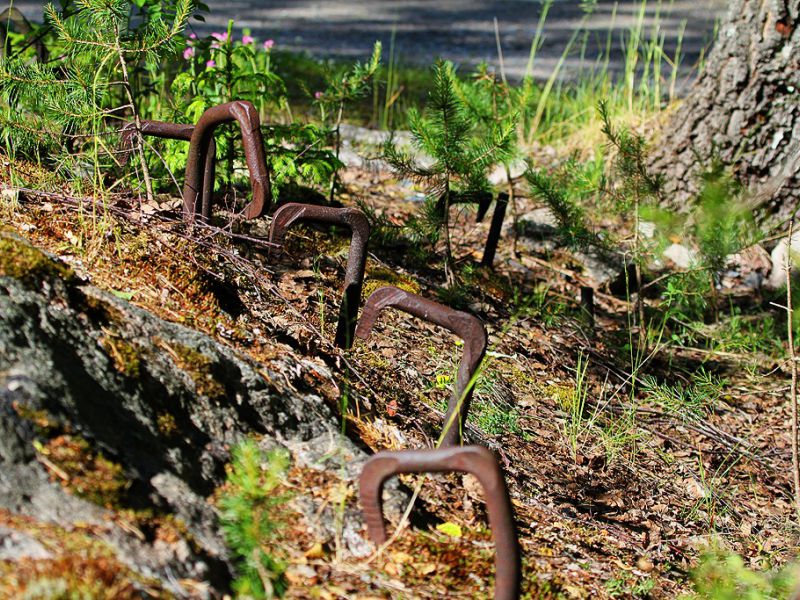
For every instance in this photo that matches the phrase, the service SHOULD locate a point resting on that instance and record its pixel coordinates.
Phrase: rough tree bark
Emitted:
(744, 108)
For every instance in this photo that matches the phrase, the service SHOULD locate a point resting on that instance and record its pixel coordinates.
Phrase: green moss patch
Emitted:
(198, 366)
(84, 471)
(380, 277)
(20, 260)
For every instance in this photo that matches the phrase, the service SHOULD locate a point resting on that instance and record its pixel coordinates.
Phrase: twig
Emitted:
(793, 392)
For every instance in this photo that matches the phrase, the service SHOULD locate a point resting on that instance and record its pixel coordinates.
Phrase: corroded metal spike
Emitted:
(290, 214)
(484, 201)
(466, 326)
(199, 146)
(476, 460)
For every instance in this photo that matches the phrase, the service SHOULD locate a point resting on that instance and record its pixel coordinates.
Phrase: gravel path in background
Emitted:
(460, 30)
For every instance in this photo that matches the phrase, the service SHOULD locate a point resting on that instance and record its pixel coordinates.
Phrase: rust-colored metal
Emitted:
(179, 131)
(484, 201)
(199, 147)
(476, 460)
(291, 214)
(464, 325)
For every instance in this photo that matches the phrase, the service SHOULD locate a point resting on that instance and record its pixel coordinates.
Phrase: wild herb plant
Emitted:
(219, 69)
(460, 152)
(251, 519)
(74, 103)
(341, 89)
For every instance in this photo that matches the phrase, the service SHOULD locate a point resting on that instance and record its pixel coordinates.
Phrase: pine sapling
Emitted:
(460, 150)
(100, 44)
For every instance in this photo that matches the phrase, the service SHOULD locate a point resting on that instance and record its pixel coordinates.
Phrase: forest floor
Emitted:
(615, 495)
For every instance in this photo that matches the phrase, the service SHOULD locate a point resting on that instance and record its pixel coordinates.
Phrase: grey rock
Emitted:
(647, 229)
(16, 545)
(681, 256)
(602, 268)
(374, 137)
(538, 230)
(516, 169)
(54, 335)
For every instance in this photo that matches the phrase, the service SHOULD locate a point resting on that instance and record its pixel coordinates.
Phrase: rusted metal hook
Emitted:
(484, 201)
(200, 146)
(476, 460)
(290, 214)
(178, 131)
(464, 325)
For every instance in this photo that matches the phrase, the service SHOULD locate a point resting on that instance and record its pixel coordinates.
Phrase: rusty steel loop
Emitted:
(484, 201)
(476, 460)
(466, 326)
(292, 213)
(178, 131)
(200, 146)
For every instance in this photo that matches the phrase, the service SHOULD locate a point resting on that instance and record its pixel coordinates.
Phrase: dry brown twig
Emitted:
(793, 391)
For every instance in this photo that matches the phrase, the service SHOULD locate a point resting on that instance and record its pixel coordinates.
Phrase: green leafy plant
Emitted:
(629, 586)
(251, 518)
(722, 575)
(341, 89)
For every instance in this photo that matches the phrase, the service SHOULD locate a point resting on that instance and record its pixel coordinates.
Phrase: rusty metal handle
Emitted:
(177, 131)
(290, 214)
(466, 326)
(199, 146)
(476, 460)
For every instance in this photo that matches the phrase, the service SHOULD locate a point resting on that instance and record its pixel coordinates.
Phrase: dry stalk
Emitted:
(792, 358)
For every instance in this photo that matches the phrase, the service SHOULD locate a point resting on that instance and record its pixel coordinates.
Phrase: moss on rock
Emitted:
(22, 261)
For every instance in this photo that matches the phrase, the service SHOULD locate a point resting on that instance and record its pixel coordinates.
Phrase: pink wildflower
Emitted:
(188, 53)
(269, 44)
(317, 95)
(192, 36)
(246, 39)
(210, 64)
(220, 37)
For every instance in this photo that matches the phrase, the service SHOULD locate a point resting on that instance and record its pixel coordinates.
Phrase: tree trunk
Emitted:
(744, 109)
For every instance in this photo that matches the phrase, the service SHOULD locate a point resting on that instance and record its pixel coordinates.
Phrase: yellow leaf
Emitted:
(402, 557)
(316, 551)
(450, 529)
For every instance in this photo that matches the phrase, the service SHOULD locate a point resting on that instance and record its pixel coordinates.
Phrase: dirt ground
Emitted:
(624, 516)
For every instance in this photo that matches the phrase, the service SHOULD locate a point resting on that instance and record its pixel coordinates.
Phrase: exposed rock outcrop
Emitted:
(161, 400)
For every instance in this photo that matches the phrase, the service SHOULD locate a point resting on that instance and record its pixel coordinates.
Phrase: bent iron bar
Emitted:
(179, 131)
(464, 325)
(291, 214)
(199, 186)
(476, 460)
(484, 201)
(200, 146)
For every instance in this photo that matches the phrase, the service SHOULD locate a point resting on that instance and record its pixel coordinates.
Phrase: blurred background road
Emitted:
(462, 30)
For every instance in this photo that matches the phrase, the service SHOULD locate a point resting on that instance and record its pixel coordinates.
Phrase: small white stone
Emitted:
(777, 275)
(647, 229)
(680, 255)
